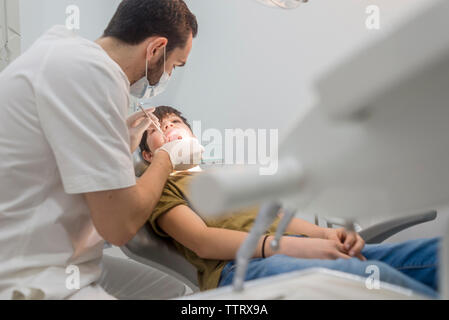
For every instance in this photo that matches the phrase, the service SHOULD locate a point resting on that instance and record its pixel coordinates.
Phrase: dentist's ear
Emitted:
(154, 44)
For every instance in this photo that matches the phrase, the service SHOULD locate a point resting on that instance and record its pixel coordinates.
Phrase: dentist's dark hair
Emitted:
(136, 20)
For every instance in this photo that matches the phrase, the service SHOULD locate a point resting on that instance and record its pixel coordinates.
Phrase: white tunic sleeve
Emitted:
(82, 109)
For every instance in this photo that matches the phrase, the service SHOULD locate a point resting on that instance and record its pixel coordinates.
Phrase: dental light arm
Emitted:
(267, 214)
(289, 214)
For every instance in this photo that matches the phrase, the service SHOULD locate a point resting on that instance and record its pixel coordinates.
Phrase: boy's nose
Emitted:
(168, 125)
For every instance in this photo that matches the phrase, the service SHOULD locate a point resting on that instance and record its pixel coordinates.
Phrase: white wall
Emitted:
(37, 16)
(251, 65)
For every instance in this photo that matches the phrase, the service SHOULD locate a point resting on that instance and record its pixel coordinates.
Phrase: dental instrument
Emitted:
(148, 116)
(267, 214)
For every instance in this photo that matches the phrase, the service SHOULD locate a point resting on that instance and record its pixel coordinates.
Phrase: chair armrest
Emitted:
(386, 229)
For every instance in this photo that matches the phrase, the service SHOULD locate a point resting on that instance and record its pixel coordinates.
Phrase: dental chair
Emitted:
(159, 253)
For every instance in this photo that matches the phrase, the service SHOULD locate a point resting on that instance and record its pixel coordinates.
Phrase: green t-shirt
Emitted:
(176, 192)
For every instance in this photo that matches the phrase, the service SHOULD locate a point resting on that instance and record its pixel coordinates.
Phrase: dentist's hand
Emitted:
(137, 124)
(184, 154)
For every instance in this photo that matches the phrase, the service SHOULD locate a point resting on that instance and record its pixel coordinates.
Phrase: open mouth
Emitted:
(175, 134)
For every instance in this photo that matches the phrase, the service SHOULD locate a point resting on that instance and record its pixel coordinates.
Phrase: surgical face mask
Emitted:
(142, 88)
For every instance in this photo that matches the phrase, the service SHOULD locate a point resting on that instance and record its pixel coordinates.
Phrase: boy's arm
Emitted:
(183, 225)
(300, 226)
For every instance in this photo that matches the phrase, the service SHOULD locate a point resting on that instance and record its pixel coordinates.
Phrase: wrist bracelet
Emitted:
(263, 245)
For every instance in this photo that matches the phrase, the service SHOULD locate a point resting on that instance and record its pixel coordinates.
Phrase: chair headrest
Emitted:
(140, 165)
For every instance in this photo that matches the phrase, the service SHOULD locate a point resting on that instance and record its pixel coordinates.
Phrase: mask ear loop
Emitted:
(165, 56)
(146, 68)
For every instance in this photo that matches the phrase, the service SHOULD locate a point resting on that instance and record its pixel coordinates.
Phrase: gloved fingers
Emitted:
(185, 153)
(140, 114)
(142, 125)
(136, 133)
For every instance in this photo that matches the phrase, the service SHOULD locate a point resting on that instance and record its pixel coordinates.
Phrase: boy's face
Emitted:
(173, 127)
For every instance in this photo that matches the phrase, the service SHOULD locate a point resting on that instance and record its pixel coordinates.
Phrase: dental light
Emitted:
(285, 4)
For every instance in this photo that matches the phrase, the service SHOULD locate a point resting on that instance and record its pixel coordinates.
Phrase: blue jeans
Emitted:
(411, 264)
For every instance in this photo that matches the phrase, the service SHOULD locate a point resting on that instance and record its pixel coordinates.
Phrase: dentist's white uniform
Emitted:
(63, 106)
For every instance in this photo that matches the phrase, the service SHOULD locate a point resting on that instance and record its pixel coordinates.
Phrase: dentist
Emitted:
(67, 181)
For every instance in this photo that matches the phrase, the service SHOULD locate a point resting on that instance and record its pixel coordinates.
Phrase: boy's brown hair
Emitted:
(161, 112)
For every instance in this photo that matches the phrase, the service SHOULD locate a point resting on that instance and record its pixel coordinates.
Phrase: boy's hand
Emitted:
(352, 242)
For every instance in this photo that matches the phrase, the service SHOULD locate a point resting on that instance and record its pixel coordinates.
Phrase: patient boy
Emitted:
(211, 244)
